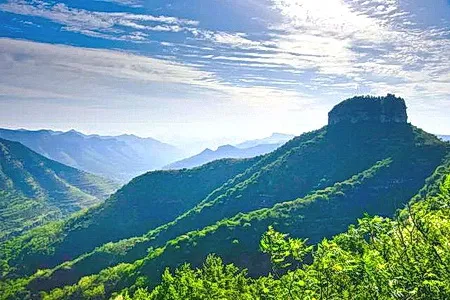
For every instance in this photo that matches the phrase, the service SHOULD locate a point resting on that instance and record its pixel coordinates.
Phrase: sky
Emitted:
(216, 71)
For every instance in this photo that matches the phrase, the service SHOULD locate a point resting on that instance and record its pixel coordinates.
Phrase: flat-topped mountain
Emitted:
(368, 109)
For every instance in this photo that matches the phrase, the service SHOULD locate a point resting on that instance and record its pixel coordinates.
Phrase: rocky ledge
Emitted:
(368, 109)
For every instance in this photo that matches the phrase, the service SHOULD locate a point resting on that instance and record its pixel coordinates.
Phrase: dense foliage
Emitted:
(314, 188)
(379, 258)
(146, 202)
(35, 190)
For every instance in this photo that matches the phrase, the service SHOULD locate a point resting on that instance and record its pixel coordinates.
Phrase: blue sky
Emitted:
(217, 71)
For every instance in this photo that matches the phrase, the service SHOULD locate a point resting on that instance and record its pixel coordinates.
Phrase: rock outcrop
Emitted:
(367, 109)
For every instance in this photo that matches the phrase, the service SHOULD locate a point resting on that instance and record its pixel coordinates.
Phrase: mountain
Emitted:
(444, 137)
(226, 151)
(117, 157)
(377, 258)
(35, 190)
(368, 159)
(246, 149)
(275, 138)
(146, 202)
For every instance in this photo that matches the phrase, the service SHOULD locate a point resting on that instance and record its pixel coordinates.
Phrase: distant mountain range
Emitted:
(243, 150)
(35, 190)
(275, 138)
(116, 157)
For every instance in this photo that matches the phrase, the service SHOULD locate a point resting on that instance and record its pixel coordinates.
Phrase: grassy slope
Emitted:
(19, 213)
(379, 258)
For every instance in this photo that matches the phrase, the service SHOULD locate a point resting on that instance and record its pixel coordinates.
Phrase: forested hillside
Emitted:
(378, 258)
(35, 190)
(313, 187)
(146, 202)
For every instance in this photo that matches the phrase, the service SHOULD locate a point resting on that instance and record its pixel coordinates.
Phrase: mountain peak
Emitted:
(368, 109)
(73, 132)
(226, 148)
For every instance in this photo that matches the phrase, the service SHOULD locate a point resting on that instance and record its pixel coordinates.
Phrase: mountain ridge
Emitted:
(33, 185)
(117, 157)
(224, 151)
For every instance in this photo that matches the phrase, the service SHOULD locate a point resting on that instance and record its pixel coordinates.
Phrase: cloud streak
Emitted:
(64, 69)
(116, 25)
(109, 25)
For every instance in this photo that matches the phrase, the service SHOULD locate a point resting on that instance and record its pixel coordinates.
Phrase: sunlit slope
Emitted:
(146, 202)
(322, 214)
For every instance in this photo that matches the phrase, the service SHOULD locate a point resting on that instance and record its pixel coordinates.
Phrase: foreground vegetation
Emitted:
(380, 258)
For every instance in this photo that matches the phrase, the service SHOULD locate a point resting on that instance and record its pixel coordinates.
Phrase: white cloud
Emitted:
(73, 72)
(112, 25)
(100, 24)
(330, 48)
(130, 3)
(372, 43)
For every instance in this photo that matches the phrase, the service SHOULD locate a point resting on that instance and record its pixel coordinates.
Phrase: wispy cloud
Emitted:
(153, 95)
(64, 69)
(93, 23)
(362, 46)
(116, 25)
(130, 3)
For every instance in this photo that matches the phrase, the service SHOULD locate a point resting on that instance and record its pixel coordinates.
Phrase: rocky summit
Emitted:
(368, 109)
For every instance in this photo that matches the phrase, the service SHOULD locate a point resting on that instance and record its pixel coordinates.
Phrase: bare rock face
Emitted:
(367, 109)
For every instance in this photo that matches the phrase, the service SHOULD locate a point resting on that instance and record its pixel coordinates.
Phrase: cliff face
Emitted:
(389, 109)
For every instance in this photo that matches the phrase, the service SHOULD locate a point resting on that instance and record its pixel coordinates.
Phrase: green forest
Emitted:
(358, 209)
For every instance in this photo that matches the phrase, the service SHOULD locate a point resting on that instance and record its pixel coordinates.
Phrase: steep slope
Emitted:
(146, 202)
(226, 151)
(412, 157)
(19, 213)
(324, 213)
(379, 258)
(34, 189)
(117, 157)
